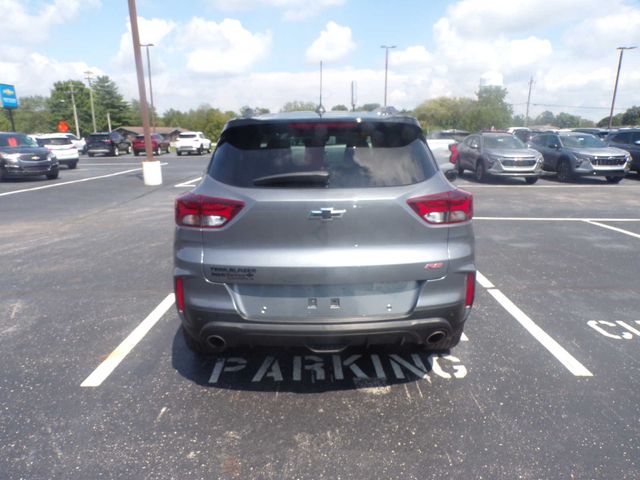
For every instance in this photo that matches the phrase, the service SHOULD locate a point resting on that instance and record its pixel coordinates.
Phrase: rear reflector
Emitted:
(445, 208)
(205, 212)
(470, 291)
(453, 158)
(179, 290)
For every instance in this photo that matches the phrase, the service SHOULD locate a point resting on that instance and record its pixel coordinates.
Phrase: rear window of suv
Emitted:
(348, 154)
(54, 141)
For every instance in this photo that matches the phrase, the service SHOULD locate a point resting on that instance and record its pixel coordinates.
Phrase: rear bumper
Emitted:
(236, 332)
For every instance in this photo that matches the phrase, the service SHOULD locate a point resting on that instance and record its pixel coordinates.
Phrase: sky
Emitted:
(264, 53)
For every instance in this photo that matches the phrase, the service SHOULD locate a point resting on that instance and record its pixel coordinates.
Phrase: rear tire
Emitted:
(179, 153)
(157, 152)
(480, 174)
(564, 171)
(200, 150)
(614, 179)
(531, 180)
(116, 152)
(459, 167)
(72, 165)
(136, 153)
(90, 155)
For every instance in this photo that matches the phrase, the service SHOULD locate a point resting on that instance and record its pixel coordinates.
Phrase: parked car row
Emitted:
(566, 154)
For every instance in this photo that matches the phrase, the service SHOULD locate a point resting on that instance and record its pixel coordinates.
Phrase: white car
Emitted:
(79, 143)
(62, 147)
(192, 142)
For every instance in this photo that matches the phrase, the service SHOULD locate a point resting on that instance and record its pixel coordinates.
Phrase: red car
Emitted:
(158, 144)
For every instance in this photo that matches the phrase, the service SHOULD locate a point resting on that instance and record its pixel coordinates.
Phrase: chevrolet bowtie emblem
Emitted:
(326, 214)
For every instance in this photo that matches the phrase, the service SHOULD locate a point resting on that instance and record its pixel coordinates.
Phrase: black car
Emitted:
(573, 154)
(628, 139)
(107, 143)
(20, 156)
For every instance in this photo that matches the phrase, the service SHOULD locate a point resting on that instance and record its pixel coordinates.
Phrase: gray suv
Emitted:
(497, 154)
(324, 232)
(572, 154)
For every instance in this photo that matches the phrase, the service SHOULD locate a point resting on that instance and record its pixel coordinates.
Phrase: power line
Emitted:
(567, 106)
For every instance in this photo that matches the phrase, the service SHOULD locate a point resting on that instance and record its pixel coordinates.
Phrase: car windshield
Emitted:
(54, 141)
(17, 140)
(333, 155)
(582, 141)
(501, 142)
(98, 137)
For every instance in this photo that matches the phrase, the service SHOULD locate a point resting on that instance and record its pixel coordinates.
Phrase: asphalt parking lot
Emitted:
(98, 383)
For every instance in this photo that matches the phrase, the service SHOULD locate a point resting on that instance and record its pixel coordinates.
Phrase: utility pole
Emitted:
(386, 69)
(615, 87)
(320, 107)
(353, 96)
(109, 120)
(153, 118)
(93, 110)
(75, 111)
(151, 169)
(526, 116)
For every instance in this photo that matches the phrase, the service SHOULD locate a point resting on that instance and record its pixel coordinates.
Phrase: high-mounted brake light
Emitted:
(453, 148)
(205, 212)
(445, 208)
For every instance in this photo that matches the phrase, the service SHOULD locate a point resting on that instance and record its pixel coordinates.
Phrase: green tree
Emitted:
(491, 110)
(616, 121)
(442, 113)
(631, 116)
(566, 120)
(517, 120)
(5, 124)
(339, 108)
(368, 107)
(298, 106)
(33, 116)
(60, 106)
(545, 118)
(108, 98)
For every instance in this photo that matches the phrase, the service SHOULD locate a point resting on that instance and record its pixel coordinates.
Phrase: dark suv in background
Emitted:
(627, 139)
(325, 232)
(107, 143)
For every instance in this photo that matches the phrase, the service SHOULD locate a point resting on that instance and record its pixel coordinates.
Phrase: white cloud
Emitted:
(333, 44)
(603, 33)
(152, 30)
(415, 56)
(21, 26)
(292, 9)
(223, 48)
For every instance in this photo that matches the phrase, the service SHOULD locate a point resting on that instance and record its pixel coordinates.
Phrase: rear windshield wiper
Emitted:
(316, 177)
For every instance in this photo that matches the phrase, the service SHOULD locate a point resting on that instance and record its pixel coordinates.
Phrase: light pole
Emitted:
(386, 69)
(615, 87)
(75, 111)
(153, 118)
(93, 110)
(151, 170)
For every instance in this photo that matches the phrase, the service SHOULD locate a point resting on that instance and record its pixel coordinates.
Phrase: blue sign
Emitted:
(8, 98)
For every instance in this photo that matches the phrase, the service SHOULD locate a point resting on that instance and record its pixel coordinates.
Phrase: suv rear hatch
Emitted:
(320, 226)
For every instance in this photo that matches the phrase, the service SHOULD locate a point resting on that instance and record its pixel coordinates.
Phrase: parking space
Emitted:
(544, 385)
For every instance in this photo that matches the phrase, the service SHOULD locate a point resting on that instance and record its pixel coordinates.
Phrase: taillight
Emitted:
(453, 148)
(205, 212)
(179, 290)
(455, 206)
(470, 291)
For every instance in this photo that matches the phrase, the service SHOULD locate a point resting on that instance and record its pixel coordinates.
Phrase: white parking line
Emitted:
(113, 360)
(563, 356)
(530, 187)
(53, 185)
(188, 183)
(556, 219)
(626, 232)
